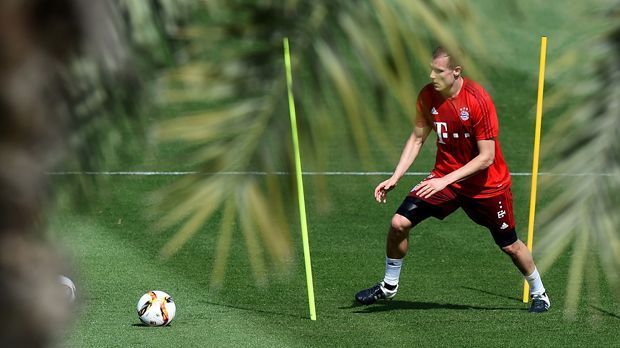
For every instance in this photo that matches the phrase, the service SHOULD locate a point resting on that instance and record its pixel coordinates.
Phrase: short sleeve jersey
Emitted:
(459, 123)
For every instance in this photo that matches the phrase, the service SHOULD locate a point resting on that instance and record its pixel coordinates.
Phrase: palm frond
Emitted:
(354, 64)
(583, 216)
(223, 244)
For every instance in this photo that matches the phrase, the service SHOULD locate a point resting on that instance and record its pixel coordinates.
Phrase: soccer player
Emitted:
(469, 173)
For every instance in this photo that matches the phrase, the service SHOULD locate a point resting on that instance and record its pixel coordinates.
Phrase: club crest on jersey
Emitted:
(464, 113)
(434, 111)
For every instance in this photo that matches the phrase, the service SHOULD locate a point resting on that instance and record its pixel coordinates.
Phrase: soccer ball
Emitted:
(156, 308)
(68, 287)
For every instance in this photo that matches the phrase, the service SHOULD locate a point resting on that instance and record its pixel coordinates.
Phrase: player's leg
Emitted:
(519, 253)
(397, 241)
(522, 258)
(497, 215)
(397, 244)
(396, 247)
(411, 212)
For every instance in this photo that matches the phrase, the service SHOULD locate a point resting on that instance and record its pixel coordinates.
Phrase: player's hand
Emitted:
(383, 188)
(429, 187)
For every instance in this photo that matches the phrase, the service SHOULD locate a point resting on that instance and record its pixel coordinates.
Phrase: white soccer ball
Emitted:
(68, 287)
(156, 308)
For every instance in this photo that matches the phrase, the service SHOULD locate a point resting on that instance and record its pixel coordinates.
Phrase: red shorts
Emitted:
(495, 212)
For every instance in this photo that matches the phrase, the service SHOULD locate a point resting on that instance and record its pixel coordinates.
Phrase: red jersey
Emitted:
(459, 123)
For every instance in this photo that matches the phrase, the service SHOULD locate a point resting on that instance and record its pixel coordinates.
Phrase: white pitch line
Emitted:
(163, 173)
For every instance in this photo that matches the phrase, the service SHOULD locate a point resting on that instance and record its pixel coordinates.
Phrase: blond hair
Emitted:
(454, 60)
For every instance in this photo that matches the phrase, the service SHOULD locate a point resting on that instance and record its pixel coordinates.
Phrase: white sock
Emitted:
(392, 270)
(536, 285)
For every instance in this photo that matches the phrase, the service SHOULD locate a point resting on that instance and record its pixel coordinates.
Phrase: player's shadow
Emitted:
(605, 312)
(418, 305)
(491, 293)
(393, 305)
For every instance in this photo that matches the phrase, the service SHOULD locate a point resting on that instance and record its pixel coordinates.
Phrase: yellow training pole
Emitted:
(539, 103)
(300, 183)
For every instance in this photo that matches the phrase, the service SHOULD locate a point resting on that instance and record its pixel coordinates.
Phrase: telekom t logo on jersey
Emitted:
(442, 131)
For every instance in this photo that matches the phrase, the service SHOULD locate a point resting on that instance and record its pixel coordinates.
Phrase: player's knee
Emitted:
(511, 249)
(400, 225)
(411, 212)
(506, 239)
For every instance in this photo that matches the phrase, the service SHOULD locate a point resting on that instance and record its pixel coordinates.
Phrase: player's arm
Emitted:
(411, 150)
(409, 154)
(485, 157)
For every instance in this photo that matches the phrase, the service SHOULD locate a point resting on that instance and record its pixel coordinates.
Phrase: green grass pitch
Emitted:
(457, 288)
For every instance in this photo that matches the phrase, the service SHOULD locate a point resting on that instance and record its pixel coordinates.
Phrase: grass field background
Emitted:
(457, 288)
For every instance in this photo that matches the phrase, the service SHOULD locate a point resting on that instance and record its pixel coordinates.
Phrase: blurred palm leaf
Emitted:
(125, 43)
(232, 75)
(584, 215)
